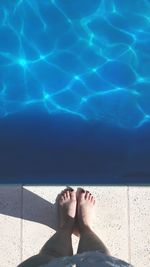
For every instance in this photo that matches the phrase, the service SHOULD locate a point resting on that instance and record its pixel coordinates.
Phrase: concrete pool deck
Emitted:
(28, 217)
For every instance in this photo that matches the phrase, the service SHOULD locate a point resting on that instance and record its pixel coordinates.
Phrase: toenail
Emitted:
(83, 191)
(70, 189)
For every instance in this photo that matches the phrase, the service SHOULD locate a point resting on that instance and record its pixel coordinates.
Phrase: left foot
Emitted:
(67, 208)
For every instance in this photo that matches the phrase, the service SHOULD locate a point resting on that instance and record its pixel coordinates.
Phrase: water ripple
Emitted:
(87, 58)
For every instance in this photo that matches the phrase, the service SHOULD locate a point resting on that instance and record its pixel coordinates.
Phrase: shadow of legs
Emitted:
(59, 245)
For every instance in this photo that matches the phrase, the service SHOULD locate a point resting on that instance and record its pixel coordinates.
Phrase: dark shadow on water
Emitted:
(36, 148)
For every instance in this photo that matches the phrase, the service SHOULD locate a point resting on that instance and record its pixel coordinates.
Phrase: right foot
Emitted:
(67, 208)
(85, 209)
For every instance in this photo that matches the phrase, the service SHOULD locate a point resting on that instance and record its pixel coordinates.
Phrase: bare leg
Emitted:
(89, 241)
(59, 245)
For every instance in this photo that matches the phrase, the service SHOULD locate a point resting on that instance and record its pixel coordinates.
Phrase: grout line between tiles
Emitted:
(129, 225)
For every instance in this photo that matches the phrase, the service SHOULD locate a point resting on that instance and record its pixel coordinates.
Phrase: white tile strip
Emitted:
(139, 198)
(10, 225)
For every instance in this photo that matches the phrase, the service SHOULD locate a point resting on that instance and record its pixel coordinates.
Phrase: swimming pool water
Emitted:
(74, 91)
(89, 59)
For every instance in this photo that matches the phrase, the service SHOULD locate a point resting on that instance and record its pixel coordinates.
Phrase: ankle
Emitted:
(67, 226)
(84, 228)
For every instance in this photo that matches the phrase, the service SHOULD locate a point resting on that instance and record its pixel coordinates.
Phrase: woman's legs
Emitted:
(89, 241)
(59, 245)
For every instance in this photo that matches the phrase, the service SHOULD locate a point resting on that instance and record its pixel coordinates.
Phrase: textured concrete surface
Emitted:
(10, 225)
(28, 218)
(140, 226)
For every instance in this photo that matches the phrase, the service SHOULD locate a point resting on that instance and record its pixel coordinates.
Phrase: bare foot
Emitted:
(85, 209)
(67, 208)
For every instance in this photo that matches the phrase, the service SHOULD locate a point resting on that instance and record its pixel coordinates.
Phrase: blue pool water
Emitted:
(75, 88)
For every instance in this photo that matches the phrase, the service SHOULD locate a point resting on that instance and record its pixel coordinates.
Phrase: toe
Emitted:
(68, 194)
(72, 194)
(93, 200)
(87, 194)
(64, 191)
(90, 196)
(82, 195)
(64, 195)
